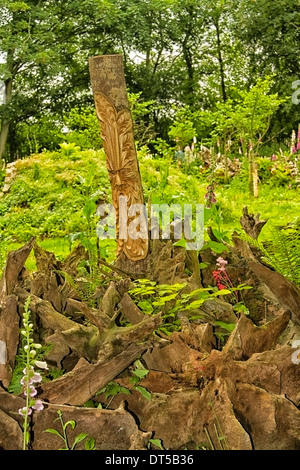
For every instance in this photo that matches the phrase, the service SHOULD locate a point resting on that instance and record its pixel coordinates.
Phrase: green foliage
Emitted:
(246, 117)
(183, 54)
(182, 130)
(34, 135)
(112, 389)
(156, 443)
(89, 444)
(83, 128)
(172, 300)
(142, 117)
(139, 373)
(48, 196)
(281, 249)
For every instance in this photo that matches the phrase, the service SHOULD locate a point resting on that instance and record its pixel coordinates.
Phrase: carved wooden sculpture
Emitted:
(112, 107)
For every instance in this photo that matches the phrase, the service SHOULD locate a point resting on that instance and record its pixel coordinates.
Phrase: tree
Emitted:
(46, 47)
(269, 34)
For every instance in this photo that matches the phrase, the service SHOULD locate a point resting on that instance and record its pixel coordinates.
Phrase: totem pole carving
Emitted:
(112, 107)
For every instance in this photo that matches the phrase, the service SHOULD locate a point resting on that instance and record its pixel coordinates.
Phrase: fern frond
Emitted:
(282, 250)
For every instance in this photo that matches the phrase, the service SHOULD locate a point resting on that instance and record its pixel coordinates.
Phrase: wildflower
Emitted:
(38, 406)
(32, 391)
(36, 377)
(221, 263)
(41, 364)
(296, 354)
(273, 158)
(25, 381)
(296, 357)
(210, 196)
(23, 411)
(219, 279)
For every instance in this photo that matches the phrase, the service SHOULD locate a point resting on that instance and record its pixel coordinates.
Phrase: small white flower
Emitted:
(296, 357)
(296, 344)
(41, 364)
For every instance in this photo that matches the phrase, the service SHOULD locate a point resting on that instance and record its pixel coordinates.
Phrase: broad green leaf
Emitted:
(216, 247)
(195, 304)
(227, 326)
(90, 444)
(112, 389)
(157, 443)
(72, 423)
(222, 292)
(203, 265)
(141, 373)
(124, 390)
(243, 287)
(143, 391)
(53, 431)
(181, 243)
(79, 438)
(145, 306)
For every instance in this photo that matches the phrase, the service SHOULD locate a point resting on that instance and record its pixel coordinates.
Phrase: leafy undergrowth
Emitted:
(48, 195)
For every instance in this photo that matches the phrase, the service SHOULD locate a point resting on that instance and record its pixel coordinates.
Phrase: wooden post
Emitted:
(112, 107)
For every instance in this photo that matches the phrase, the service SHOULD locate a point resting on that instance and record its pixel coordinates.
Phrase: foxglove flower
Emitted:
(38, 406)
(41, 364)
(23, 411)
(210, 196)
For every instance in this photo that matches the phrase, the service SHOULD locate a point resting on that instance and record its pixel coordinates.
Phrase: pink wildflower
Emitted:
(36, 377)
(24, 410)
(38, 406)
(210, 196)
(32, 393)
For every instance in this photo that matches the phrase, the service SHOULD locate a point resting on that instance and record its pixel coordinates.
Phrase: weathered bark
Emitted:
(287, 293)
(13, 267)
(9, 337)
(251, 224)
(81, 384)
(80, 338)
(110, 429)
(248, 339)
(130, 310)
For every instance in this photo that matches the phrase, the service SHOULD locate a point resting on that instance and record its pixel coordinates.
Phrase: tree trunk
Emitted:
(220, 59)
(112, 107)
(4, 122)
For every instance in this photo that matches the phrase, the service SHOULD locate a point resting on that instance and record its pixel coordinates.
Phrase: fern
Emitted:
(282, 250)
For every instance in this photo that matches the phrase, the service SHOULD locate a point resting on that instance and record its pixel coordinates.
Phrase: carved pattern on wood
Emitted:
(118, 141)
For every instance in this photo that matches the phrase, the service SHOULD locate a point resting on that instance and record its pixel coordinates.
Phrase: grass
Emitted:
(280, 205)
(47, 197)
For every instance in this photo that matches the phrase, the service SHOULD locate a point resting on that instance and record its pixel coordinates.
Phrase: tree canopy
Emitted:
(194, 53)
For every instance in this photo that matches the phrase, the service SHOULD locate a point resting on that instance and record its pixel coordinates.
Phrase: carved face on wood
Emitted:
(118, 142)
